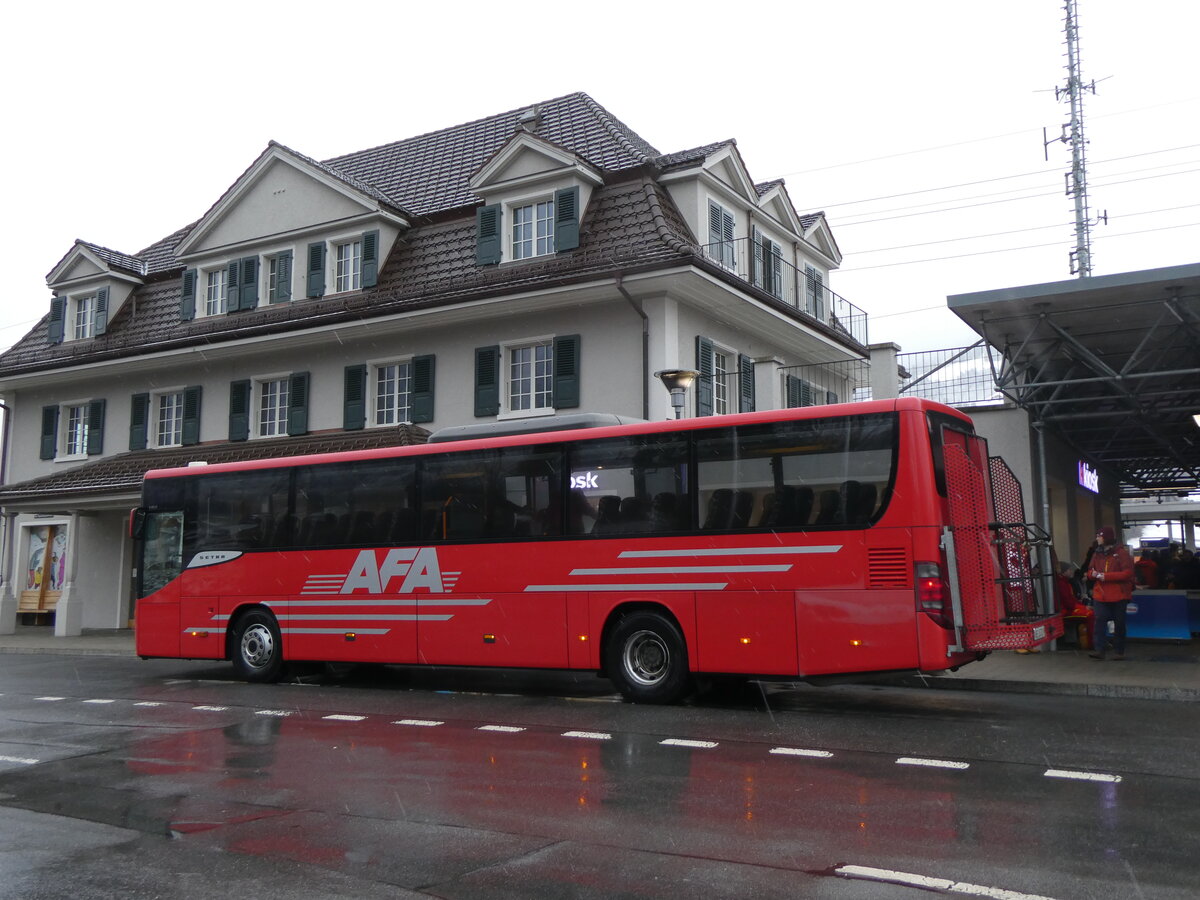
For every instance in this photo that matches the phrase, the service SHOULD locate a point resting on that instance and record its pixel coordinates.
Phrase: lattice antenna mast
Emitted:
(1072, 133)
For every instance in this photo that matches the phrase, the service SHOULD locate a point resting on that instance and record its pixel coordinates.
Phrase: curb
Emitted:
(1104, 691)
(69, 651)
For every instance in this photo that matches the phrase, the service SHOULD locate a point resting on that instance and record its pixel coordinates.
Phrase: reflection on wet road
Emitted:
(560, 798)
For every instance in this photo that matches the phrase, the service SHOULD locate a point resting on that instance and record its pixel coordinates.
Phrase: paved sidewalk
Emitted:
(1154, 670)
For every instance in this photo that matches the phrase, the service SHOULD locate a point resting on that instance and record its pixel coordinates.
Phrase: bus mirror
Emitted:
(137, 523)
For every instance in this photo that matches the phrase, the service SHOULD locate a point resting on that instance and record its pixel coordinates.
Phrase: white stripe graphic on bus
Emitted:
(678, 570)
(651, 586)
(727, 551)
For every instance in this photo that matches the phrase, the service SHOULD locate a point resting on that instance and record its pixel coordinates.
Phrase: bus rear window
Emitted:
(937, 421)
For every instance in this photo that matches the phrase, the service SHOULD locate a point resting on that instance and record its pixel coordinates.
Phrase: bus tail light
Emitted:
(933, 595)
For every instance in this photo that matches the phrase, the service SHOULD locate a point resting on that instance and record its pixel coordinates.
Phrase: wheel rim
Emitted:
(647, 658)
(258, 646)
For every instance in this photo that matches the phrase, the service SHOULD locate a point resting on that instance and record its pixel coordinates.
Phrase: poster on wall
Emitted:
(45, 569)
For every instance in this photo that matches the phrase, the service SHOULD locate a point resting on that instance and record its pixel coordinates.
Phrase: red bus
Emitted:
(798, 544)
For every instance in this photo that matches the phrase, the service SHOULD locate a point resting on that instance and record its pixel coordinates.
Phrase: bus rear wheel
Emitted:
(257, 648)
(646, 658)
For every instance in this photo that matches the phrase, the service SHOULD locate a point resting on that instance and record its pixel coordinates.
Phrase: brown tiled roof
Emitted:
(691, 157)
(122, 262)
(430, 173)
(629, 223)
(123, 472)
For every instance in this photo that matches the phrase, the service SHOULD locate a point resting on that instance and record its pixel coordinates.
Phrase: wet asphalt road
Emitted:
(123, 778)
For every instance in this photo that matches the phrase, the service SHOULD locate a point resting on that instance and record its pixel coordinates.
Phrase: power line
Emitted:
(911, 262)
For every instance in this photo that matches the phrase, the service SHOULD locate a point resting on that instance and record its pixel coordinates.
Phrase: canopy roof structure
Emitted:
(1109, 364)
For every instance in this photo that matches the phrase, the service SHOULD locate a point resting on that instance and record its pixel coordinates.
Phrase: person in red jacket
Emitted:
(1111, 567)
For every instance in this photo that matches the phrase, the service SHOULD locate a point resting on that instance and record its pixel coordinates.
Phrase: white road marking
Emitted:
(99, 701)
(588, 735)
(1082, 776)
(49, 699)
(508, 729)
(338, 717)
(277, 713)
(420, 723)
(147, 703)
(935, 763)
(19, 759)
(796, 751)
(680, 742)
(211, 708)
(937, 884)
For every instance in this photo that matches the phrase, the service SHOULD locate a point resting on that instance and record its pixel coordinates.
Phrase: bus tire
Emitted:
(257, 647)
(646, 658)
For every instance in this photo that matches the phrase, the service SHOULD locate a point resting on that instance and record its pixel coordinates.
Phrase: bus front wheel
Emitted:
(257, 648)
(646, 658)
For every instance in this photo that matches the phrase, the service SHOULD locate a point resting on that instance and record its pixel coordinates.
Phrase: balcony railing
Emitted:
(773, 274)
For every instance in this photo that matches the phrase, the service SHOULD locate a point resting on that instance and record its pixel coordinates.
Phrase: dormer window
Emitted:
(78, 317)
(533, 230)
(216, 292)
(348, 274)
(84, 316)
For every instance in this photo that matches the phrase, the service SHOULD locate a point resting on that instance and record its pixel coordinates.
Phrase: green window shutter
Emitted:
(354, 401)
(566, 219)
(297, 415)
(95, 434)
(139, 419)
(283, 277)
(239, 410)
(57, 321)
(101, 325)
(49, 431)
(187, 301)
(233, 294)
(566, 371)
(745, 383)
(191, 416)
(370, 258)
(487, 381)
(248, 293)
(487, 237)
(704, 384)
(316, 269)
(421, 396)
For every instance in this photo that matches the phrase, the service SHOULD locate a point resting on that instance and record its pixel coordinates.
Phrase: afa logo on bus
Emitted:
(403, 570)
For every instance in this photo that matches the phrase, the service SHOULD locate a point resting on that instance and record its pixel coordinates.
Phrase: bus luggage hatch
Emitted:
(989, 550)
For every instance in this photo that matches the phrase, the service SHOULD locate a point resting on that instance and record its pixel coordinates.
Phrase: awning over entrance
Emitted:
(1110, 364)
(118, 479)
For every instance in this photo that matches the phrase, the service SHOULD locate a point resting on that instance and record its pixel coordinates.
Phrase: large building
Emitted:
(540, 261)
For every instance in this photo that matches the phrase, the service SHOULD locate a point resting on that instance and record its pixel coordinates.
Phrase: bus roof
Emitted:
(567, 436)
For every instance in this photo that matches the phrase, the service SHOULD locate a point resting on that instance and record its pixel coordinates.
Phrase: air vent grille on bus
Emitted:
(888, 567)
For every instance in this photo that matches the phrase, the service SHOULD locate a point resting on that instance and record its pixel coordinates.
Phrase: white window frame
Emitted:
(209, 305)
(400, 412)
(83, 306)
(266, 387)
(538, 231)
(721, 371)
(534, 394)
(267, 265)
(347, 272)
(72, 441)
(156, 417)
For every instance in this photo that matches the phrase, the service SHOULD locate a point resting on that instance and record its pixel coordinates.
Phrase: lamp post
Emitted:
(677, 381)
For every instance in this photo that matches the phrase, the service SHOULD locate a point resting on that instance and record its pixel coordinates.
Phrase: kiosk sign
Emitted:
(1089, 478)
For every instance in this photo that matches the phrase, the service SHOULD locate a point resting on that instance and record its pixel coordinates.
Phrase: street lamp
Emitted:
(677, 381)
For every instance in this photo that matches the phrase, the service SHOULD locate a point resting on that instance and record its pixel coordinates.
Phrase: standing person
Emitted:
(1111, 567)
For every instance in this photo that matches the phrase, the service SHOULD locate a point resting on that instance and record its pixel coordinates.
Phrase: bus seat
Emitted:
(405, 525)
(867, 495)
(743, 504)
(362, 527)
(767, 512)
(720, 509)
(830, 507)
(804, 506)
(633, 514)
(664, 512)
(608, 514)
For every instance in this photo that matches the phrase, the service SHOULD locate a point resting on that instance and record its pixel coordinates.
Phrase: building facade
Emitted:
(538, 262)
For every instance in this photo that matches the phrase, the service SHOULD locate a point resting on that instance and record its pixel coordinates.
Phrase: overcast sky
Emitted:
(916, 126)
